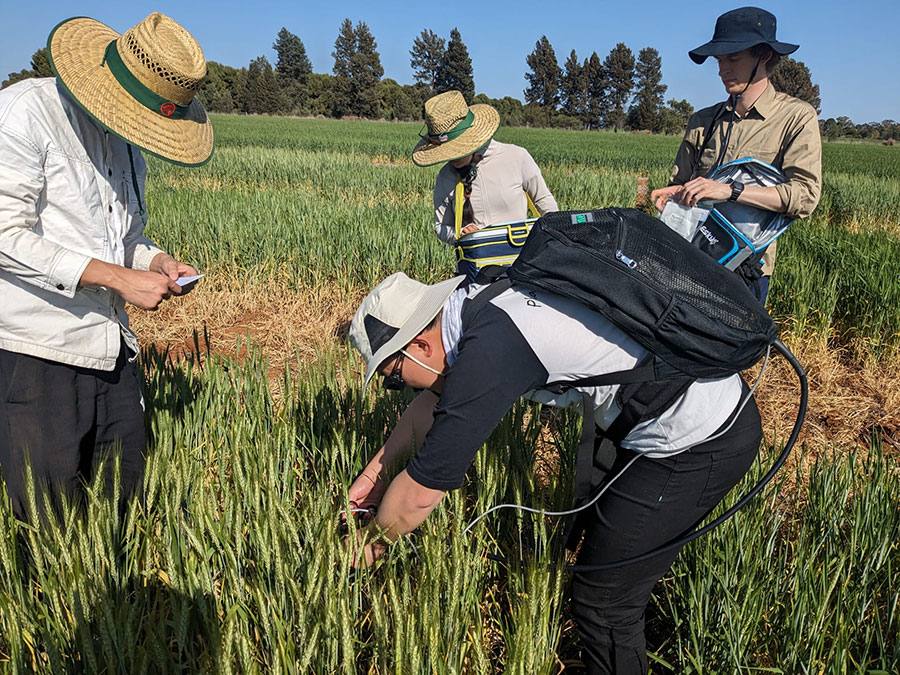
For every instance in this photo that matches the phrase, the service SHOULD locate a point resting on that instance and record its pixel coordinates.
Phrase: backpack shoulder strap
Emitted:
(644, 393)
(459, 198)
(532, 209)
(644, 401)
(497, 282)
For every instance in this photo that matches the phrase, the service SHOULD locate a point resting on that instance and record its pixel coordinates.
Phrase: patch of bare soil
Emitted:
(279, 321)
(850, 402)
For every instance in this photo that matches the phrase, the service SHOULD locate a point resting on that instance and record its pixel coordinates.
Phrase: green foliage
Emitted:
(573, 88)
(646, 111)
(833, 280)
(12, 78)
(543, 77)
(400, 102)
(319, 94)
(293, 68)
(222, 88)
(674, 116)
(341, 87)
(426, 59)
(365, 73)
(40, 63)
(595, 79)
(357, 70)
(793, 78)
(262, 93)
(233, 562)
(40, 67)
(618, 75)
(456, 68)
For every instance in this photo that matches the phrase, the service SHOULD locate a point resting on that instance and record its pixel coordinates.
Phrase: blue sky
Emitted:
(851, 47)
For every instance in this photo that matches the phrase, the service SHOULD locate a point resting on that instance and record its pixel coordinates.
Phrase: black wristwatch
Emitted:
(736, 189)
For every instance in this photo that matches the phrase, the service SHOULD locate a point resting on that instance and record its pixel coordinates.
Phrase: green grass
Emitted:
(323, 201)
(232, 561)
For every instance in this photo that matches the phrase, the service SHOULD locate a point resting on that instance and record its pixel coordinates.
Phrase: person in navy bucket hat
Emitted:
(742, 29)
(755, 121)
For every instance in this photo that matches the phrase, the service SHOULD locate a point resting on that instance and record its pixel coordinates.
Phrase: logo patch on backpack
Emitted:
(582, 218)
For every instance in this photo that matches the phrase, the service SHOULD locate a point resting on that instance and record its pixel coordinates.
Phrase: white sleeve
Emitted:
(24, 253)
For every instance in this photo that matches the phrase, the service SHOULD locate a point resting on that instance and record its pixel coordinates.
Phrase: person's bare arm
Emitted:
(142, 289)
(407, 436)
(754, 195)
(405, 506)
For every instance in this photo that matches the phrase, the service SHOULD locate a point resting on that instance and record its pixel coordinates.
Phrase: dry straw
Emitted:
(140, 85)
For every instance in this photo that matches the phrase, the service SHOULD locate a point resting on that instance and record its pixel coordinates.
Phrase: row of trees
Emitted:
(618, 92)
(595, 93)
(624, 92)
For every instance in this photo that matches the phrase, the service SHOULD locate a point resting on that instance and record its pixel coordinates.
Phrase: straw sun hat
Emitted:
(140, 85)
(454, 129)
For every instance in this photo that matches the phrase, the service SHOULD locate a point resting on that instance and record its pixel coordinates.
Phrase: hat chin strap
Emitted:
(415, 360)
(736, 99)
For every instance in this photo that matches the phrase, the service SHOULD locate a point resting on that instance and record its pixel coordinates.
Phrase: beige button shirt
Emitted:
(505, 173)
(66, 196)
(778, 129)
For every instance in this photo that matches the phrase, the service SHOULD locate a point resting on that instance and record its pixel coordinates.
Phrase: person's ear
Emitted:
(421, 346)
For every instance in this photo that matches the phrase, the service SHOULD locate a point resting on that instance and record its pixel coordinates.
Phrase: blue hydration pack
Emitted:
(733, 233)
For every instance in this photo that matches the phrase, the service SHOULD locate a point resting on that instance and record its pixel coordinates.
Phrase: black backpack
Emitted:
(695, 318)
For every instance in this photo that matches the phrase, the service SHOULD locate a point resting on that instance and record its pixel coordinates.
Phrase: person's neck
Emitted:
(750, 96)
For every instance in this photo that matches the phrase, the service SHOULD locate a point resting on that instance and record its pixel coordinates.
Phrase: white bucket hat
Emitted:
(394, 313)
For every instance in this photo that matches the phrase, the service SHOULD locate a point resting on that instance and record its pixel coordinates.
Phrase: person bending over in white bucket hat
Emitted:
(473, 365)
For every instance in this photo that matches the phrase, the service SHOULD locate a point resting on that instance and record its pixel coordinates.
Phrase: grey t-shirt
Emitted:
(523, 339)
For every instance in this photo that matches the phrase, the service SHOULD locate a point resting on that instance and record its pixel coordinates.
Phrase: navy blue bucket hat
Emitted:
(741, 29)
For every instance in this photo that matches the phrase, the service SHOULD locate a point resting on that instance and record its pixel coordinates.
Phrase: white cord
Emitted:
(735, 415)
(553, 513)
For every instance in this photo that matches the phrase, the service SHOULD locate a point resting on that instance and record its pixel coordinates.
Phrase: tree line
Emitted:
(619, 92)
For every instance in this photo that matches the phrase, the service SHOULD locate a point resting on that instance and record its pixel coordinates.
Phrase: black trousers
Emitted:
(62, 419)
(761, 289)
(654, 501)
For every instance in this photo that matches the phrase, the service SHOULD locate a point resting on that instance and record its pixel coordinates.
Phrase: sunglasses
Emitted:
(394, 380)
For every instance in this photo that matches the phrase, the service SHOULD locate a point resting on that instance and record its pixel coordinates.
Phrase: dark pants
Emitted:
(760, 289)
(62, 419)
(653, 502)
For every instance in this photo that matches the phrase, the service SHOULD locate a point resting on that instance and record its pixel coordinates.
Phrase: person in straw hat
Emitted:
(72, 249)
(473, 363)
(495, 176)
(755, 121)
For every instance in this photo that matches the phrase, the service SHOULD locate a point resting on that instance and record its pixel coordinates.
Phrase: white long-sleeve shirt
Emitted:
(505, 173)
(66, 196)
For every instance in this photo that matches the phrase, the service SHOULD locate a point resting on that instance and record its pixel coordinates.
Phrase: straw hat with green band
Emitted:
(140, 85)
(454, 129)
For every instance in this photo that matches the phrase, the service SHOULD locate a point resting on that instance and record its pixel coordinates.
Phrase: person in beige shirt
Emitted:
(755, 121)
(496, 177)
